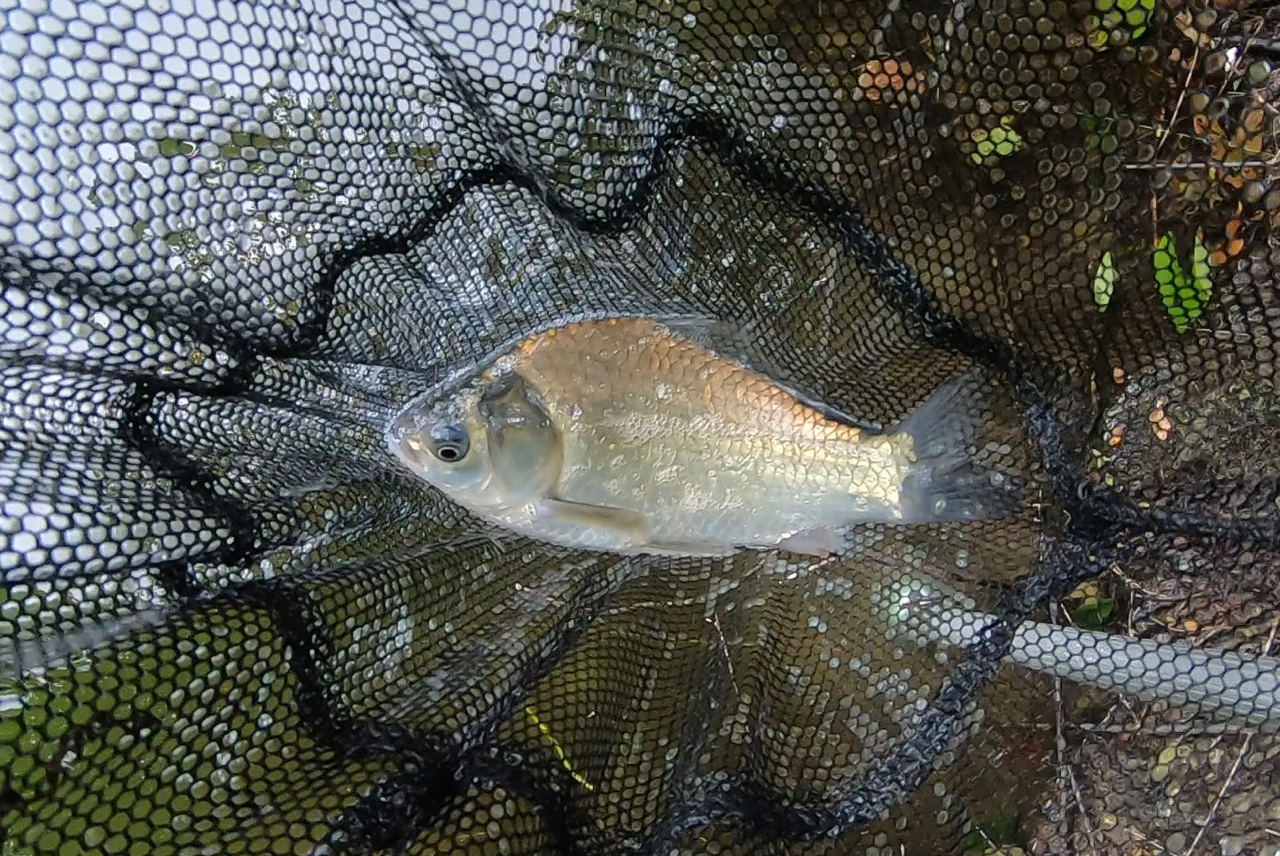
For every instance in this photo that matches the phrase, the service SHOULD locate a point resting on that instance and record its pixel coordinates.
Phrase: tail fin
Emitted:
(943, 483)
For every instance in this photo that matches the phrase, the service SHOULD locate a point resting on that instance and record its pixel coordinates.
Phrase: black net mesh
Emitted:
(238, 237)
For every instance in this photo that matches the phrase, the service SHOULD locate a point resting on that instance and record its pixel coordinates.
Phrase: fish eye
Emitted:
(450, 444)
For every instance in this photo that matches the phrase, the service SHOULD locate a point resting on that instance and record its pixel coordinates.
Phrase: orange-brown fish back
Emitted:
(637, 363)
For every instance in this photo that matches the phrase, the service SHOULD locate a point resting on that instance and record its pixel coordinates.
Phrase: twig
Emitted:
(1245, 44)
(1136, 586)
(1060, 745)
(1204, 827)
(1150, 842)
(1155, 220)
(991, 845)
(652, 604)
(1250, 164)
(1084, 815)
(1186, 85)
(1060, 740)
(1235, 71)
(1165, 729)
(728, 661)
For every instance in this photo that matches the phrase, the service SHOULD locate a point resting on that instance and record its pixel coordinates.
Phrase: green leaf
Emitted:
(1000, 141)
(1200, 277)
(1000, 830)
(169, 147)
(1131, 16)
(1095, 613)
(1149, 6)
(1184, 295)
(1104, 282)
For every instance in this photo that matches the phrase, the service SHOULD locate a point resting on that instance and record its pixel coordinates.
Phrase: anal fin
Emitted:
(821, 542)
(688, 548)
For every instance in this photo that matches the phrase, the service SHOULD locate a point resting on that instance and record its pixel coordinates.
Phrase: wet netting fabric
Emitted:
(237, 237)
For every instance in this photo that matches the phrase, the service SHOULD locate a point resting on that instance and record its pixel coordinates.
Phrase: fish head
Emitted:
(442, 441)
(489, 444)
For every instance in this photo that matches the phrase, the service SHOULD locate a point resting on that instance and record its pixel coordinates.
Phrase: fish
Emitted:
(632, 436)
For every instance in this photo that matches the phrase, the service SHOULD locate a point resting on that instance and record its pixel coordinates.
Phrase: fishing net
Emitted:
(237, 237)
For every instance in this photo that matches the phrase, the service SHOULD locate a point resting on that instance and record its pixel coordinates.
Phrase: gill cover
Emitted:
(525, 448)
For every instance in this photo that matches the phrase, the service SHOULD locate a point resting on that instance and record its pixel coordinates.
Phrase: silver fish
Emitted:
(627, 436)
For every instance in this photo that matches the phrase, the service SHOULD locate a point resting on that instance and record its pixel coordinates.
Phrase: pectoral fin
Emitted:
(565, 513)
(629, 529)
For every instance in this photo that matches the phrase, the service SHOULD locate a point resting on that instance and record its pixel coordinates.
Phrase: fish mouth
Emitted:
(405, 439)
(411, 421)
(410, 451)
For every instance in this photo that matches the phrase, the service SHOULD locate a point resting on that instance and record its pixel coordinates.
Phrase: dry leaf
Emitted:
(1184, 24)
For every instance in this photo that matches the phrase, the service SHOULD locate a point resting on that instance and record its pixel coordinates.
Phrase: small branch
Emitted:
(1253, 164)
(1186, 85)
(1249, 43)
(728, 660)
(1244, 747)
(1060, 744)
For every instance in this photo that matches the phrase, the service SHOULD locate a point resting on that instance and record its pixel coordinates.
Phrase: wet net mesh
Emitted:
(237, 237)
